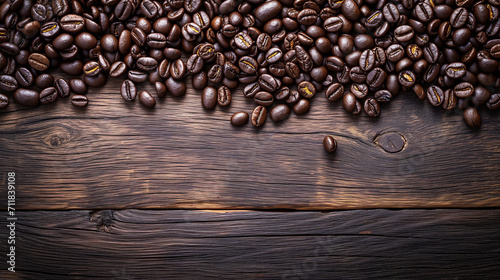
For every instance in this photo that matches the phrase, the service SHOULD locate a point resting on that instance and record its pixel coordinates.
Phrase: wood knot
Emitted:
(58, 136)
(391, 142)
(103, 219)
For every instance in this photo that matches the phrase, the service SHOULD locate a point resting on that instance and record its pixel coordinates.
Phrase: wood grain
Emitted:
(121, 155)
(179, 244)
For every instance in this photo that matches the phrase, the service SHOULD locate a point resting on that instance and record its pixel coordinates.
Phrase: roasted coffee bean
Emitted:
(8, 83)
(472, 117)
(117, 69)
(334, 64)
(357, 75)
(456, 70)
(264, 42)
(293, 97)
(239, 118)
(407, 78)
(72, 23)
(376, 77)
(128, 90)
(279, 112)
(243, 41)
(371, 107)
(450, 100)
(96, 81)
(383, 96)
(39, 62)
(269, 83)
(215, 74)
(431, 52)
(178, 69)
(493, 103)
(274, 55)
(209, 98)
(481, 95)
(27, 97)
(374, 20)
(48, 95)
(304, 60)
(329, 144)
(301, 107)
(259, 115)
(391, 13)
(359, 90)
(459, 17)
(147, 64)
(435, 95)
(334, 92)
(264, 98)
(306, 89)
(367, 60)
(194, 64)
(403, 33)
(349, 102)
(224, 96)
(4, 101)
(424, 12)
(464, 90)
(24, 77)
(394, 53)
(78, 86)
(91, 68)
(62, 87)
(419, 91)
(333, 24)
(44, 81)
(248, 65)
(79, 100)
(146, 99)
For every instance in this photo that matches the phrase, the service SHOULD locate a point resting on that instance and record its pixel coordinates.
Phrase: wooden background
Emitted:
(118, 191)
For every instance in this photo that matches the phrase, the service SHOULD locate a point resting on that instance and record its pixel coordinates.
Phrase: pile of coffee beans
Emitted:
(281, 52)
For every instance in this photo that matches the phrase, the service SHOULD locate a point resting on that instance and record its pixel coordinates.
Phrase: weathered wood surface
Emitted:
(180, 244)
(120, 155)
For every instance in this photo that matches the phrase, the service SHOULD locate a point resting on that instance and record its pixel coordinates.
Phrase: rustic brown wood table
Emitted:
(117, 191)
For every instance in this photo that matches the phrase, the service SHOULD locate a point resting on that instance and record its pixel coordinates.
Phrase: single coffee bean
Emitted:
(330, 144)
(178, 70)
(431, 52)
(459, 17)
(264, 98)
(456, 70)
(117, 69)
(137, 76)
(79, 100)
(391, 13)
(481, 95)
(301, 107)
(209, 98)
(279, 112)
(376, 77)
(128, 90)
(349, 102)
(4, 101)
(359, 90)
(146, 99)
(293, 98)
(248, 65)
(78, 86)
(407, 78)
(493, 103)
(269, 83)
(147, 64)
(424, 12)
(464, 90)
(95, 81)
(62, 87)
(194, 64)
(395, 52)
(91, 68)
(450, 100)
(72, 23)
(435, 95)
(44, 81)
(383, 96)
(239, 118)
(27, 97)
(419, 91)
(161, 89)
(306, 89)
(259, 115)
(8, 83)
(39, 62)
(48, 95)
(224, 96)
(367, 60)
(371, 107)
(403, 33)
(472, 117)
(334, 92)
(24, 77)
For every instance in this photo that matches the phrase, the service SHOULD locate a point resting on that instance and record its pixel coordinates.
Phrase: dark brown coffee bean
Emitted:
(4, 101)
(62, 87)
(27, 97)
(279, 112)
(349, 102)
(264, 42)
(456, 70)
(472, 117)
(494, 102)
(403, 33)
(459, 17)
(248, 65)
(146, 99)
(243, 41)
(91, 68)
(329, 144)
(48, 95)
(117, 69)
(24, 77)
(301, 107)
(334, 63)
(72, 23)
(391, 13)
(259, 115)
(450, 100)
(481, 95)
(383, 96)
(96, 81)
(209, 98)
(395, 52)
(424, 12)
(224, 96)
(147, 64)
(359, 90)
(407, 78)
(293, 98)
(128, 90)
(464, 90)
(178, 69)
(269, 83)
(334, 92)
(194, 64)
(431, 52)
(306, 89)
(78, 86)
(60, 7)
(419, 91)
(44, 81)
(79, 100)
(435, 95)
(264, 98)
(376, 77)
(215, 74)
(371, 107)
(333, 24)
(239, 118)
(39, 62)
(367, 60)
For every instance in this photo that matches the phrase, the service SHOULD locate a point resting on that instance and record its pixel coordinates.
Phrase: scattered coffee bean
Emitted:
(239, 118)
(330, 144)
(146, 99)
(79, 100)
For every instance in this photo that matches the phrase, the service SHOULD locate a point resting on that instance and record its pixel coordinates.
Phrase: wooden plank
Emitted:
(188, 244)
(118, 155)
